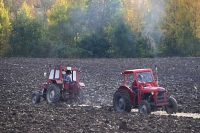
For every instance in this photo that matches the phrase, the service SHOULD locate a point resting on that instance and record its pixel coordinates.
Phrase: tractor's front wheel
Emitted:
(122, 101)
(144, 107)
(53, 94)
(35, 98)
(172, 106)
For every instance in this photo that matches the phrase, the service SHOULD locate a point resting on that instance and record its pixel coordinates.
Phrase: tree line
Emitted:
(99, 28)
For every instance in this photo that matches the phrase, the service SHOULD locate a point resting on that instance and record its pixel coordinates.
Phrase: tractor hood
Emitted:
(150, 89)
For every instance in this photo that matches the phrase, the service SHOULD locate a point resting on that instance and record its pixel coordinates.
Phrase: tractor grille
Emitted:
(160, 96)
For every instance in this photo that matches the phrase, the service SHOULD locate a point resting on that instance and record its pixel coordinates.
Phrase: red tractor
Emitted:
(143, 93)
(56, 88)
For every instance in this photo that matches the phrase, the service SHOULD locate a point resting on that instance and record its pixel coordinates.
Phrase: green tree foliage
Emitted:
(194, 8)
(100, 28)
(128, 44)
(194, 19)
(95, 46)
(178, 38)
(58, 12)
(102, 16)
(4, 29)
(25, 34)
(99, 23)
(57, 19)
(13, 6)
(124, 42)
(134, 12)
(65, 18)
(153, 19)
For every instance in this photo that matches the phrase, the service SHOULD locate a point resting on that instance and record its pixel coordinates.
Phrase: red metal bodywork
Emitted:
(132, 95)
(57, 78)
(143, 88)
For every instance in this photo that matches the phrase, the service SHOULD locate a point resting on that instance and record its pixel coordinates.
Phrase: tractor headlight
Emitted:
(152, 93)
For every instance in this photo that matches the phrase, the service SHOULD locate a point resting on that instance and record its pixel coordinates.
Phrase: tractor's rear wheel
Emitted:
(122, 101)
(144, 107)
(53, 94)
(35, 98)
(172, 106)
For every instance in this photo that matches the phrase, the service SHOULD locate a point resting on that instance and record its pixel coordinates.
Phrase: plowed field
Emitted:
(20, 76)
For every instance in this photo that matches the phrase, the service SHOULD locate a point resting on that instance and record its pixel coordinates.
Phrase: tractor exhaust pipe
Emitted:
(156, 74)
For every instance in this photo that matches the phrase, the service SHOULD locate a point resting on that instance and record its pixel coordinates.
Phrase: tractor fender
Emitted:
(59, 81)
(52, 81)
(130, 92)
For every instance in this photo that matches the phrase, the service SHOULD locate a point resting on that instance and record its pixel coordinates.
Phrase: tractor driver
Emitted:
(134, 84)
(67, 77)
(139, 77)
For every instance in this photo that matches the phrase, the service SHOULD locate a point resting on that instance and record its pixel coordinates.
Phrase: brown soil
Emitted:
(19, 77)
